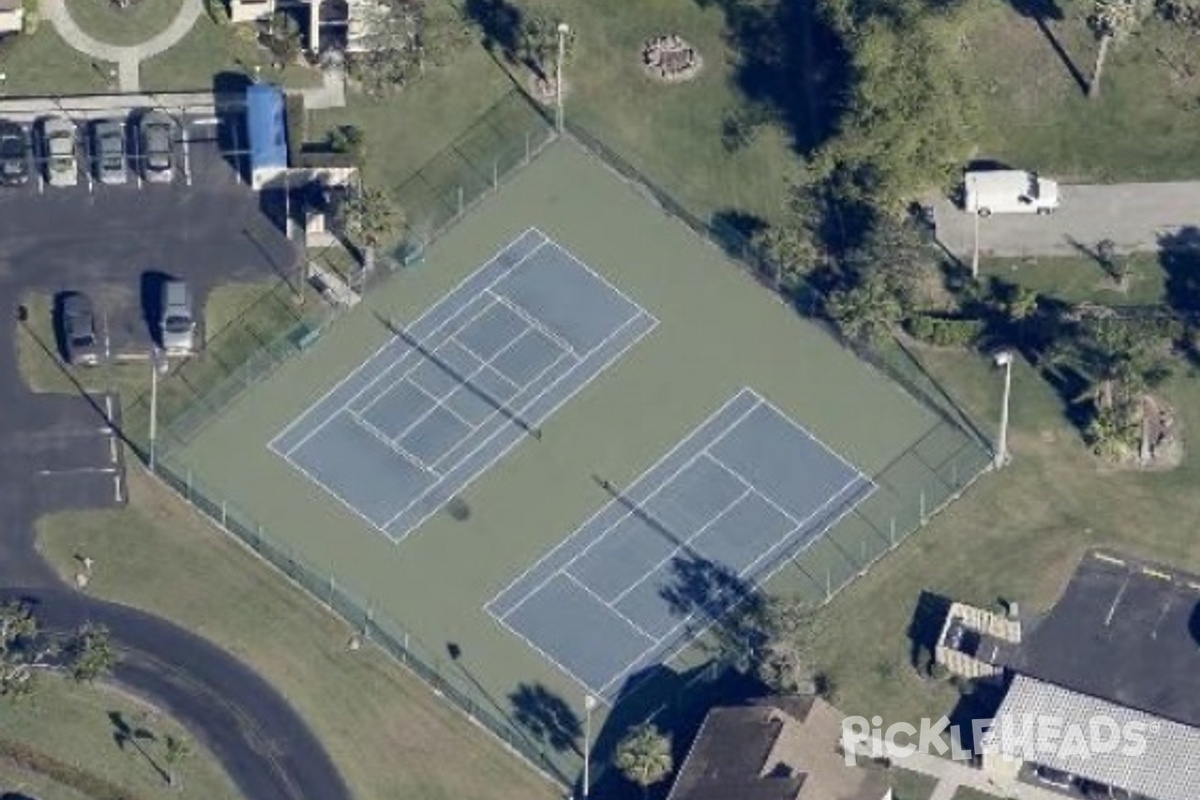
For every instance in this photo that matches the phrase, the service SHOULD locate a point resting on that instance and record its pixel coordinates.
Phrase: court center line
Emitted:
(438, 402)
(391, 341)
(597, 370)
(459, 343)
(503, 409)
(674, 450)
(788, 419)
(686, 545)
(607, 605)
(551, 242)
(741, 577)
(391, 444)
(746, 482)
(533, 322)
(423, 341)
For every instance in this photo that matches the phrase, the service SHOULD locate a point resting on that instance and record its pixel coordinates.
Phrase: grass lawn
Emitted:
(966, 793)
(15, 778)
(1018, 535)
(1142, 126)
(210, 50)
(909, 785)
(77, 724)
(1080, 278)
(42, 63)
(387, 733)
(45, 371)
(105, 21)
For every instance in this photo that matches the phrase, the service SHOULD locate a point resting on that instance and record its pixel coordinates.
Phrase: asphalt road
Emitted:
(56, 451)
(1135, 216)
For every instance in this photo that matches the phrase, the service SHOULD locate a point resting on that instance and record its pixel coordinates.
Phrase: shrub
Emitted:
(939, 672)
(944, 331)
(218, 12)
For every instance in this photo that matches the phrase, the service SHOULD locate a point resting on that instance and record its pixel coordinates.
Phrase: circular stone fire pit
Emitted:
(670, 59)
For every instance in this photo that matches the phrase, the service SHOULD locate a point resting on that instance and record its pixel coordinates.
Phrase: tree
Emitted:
(400, 39)
(1112, 21)
(22, 651)
(178, 749)
(91, 653)
(537, 45)
(281, 34)
(865, 312)
(644, 756)
(367, 218)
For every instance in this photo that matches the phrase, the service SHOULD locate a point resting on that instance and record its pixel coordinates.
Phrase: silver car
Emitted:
(62, 165)
(156, 132)
(108, 150)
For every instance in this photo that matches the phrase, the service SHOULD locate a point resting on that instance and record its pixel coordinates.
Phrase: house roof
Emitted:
(1164, 766)
(10, 5)
(1124, 631)
(773, 749)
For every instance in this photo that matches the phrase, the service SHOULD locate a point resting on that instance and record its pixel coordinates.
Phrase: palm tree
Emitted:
(1112, 21)
(644, 756)
(91, 652)
(866, 312)
(368, 218)
(178, 749)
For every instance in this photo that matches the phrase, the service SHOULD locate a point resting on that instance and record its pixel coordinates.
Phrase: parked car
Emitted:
(157, 130)
(177, 328)
(59, 140)
(14, 154)
(108, 150)
(79, 330)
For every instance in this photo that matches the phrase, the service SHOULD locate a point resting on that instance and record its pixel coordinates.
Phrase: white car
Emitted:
(60, 142)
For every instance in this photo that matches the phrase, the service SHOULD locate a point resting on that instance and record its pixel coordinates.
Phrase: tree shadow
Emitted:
(1179, 256)
(925, 627)
(790, 65)
(125, 734)
(548, 717)
(1042, 11)
(979, 700)
(1194, 623)
(501, 23)
(151, 285)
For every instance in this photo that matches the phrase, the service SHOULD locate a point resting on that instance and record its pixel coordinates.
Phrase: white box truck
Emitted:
(1009, 191)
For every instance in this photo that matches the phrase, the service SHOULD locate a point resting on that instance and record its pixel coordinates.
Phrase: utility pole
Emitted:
(1004, 359)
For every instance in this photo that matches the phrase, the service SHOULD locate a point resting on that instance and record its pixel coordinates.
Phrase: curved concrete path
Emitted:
(127, 58)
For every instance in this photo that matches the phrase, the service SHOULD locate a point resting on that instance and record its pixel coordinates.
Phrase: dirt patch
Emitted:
(1161, 447)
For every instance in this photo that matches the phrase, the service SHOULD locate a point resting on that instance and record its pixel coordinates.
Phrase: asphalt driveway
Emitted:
(1135, 216)
(59, 451)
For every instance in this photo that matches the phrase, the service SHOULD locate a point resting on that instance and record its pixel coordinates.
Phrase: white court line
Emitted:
(421, 357)
(565, 399)
(533, 322)
(686, 545)
(337, 496)
(607, 604)
(594, 274)
(437, 402)
(737, 476)
(502, 407)
(389, 342)
(391, 444)
(459, 343)
(462, 382)
(587, 687)
(605, 506)
(636, 505)
(786, 418)
(761, 581)
(741, 576)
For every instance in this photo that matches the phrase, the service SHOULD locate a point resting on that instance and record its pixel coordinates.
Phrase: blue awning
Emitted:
(265, 109)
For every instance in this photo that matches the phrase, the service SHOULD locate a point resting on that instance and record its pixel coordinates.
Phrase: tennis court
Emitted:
(730, 504)
(447, 397)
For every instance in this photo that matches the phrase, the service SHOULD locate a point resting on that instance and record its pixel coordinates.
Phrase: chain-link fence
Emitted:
(264, 334)
(502, 140)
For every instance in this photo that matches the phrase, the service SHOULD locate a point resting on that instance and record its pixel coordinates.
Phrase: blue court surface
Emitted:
(450, 394)
(723, 510)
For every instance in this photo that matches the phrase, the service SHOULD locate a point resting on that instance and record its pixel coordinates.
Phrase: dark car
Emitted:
(108, 150)
(14, 154)
(79, 330)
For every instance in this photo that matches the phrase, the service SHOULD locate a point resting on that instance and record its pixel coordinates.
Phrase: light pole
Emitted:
(158, 363)
(563, 30)
(1004, 359)
(975, 251)
(589, 703)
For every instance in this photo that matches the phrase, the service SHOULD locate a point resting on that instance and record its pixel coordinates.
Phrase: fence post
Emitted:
(224, 516)
(460, 200)
(954, 472)
(370, 620)
(526, 147)
(332, 587)
(495, 175)
(828, 585)
(189, 484)
(923, 507)
(892, 532)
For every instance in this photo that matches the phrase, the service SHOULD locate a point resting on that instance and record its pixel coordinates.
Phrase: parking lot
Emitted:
(117, 243)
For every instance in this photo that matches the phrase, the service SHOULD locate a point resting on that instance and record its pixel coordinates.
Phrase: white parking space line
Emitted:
(79, 471)
(118, 495)
(187, 155)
